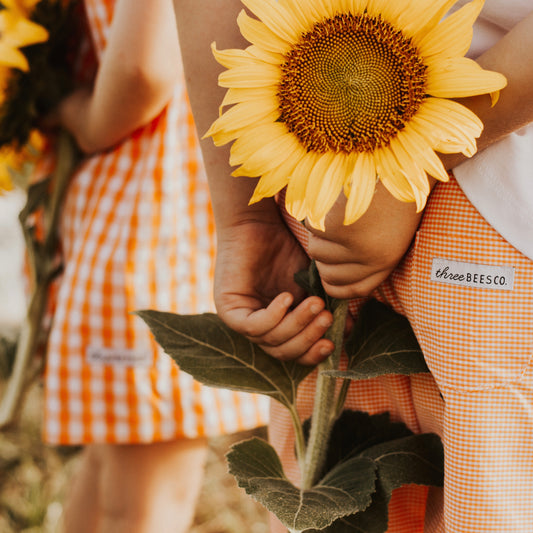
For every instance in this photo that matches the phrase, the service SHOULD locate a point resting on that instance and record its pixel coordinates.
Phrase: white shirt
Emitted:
(499, 180)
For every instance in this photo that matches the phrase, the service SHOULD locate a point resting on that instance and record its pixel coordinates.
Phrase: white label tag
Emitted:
(472, 274)
(118, 357)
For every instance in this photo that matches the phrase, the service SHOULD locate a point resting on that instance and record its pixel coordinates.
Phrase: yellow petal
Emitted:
(19, 31)
(361, 186)
(409, 167)
(244, 115)
(272, 58)
(460, 77)
(255, 74)
(389, 11)
(305, 15)
(262, 149)
(324, 186)
(272, 182)
(391, 177)
(453, 36)
(421, 150)
(420, 17)
(277, 19)
(260, 35)
(356, 7)
(234, 96)
(11, 57)
(295, 200)
(230, 58)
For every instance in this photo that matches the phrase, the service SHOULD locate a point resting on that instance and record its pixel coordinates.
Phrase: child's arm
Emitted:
(135, 79)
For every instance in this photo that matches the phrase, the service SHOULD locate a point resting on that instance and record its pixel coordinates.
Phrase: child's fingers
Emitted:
(254, 323)
(307, 348)
(309, 316)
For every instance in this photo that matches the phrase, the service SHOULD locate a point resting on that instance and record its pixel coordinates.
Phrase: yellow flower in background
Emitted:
(335, 94)
(17, 31)
(20, 161)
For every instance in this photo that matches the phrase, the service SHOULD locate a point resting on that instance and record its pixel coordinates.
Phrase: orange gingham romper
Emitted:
(477, 337)
(137, 233)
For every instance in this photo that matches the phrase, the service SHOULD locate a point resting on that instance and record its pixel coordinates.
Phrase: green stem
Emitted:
(299, 437)
(324, 414)
(41, 258)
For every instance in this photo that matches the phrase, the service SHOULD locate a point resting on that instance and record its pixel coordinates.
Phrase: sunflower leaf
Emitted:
(381, 342)
(345, 490)
(400, 458)
(203, 346)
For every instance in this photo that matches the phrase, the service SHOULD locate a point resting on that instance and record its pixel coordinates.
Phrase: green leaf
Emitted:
(401, 458)
(345, 490)
(214, 354)
(381, 342)
(417, 459)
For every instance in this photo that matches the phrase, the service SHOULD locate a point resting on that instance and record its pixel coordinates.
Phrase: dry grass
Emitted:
(35, 477)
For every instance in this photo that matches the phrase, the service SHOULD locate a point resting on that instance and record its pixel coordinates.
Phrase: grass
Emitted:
(35, 477)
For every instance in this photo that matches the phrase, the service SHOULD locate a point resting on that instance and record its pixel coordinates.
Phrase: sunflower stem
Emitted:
(43, 270)
(324, 412)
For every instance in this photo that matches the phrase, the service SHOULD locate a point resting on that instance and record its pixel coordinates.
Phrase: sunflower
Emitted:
(17, 31)
(16, 164)
(333, 95)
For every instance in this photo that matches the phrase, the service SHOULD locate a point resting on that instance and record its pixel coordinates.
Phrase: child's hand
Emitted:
(353, 260)
(255, 292)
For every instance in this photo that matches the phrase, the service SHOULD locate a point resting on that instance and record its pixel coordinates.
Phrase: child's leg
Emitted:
(137, 488)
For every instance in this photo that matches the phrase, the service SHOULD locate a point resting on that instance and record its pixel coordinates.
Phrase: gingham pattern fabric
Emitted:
(478, 343)
(137, 233)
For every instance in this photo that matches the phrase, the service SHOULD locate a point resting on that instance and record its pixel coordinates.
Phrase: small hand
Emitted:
(353, 260)
(256, 295)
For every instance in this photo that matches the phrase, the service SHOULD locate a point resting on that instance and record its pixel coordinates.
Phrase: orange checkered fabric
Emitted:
(137, 233)
(469, 297)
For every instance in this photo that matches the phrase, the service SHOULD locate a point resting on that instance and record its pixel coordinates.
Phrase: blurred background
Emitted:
(34, 477)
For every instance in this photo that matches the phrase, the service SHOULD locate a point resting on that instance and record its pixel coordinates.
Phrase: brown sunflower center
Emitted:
(350, 84)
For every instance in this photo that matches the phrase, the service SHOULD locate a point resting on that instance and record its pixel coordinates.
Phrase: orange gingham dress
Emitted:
(477, 339)
(137, 233)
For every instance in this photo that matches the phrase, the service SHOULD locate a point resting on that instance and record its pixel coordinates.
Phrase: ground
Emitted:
(34, 478)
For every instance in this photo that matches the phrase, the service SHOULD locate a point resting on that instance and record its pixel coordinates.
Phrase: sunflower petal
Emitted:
(453, 36)
(230, 58)
(259, 34)
(295, 200)
(12, 57)
(262, 149)
(275, 17)
(244, 115)
(324, 186)
(460, 77)
(422, 152)
(361, 186)
(419, 18)
(410, 168)
(235, 96)
(270, 184)
(255, 74)
(391, 177)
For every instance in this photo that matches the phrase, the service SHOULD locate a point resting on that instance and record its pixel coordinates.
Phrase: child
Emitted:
(136, 233)
(477, 336)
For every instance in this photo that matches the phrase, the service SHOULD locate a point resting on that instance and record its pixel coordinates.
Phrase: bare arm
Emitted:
(257, 256)
(135, 79)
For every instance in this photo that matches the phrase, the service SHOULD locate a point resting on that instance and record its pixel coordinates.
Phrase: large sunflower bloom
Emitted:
(335, 94)
(17, 31)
